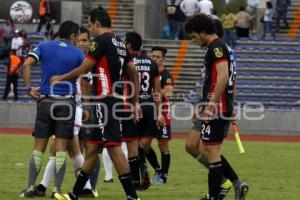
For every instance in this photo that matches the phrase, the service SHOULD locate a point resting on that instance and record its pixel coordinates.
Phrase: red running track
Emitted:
(259, 138)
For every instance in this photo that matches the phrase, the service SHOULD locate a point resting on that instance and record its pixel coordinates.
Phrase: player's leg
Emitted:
(107, 164)
(77, 161)
(49, 173)
(42, 132)
(64, 132)
(122, 167)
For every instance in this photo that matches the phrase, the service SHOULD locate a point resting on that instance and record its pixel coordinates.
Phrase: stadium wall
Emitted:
(149, 18)
(268, 122)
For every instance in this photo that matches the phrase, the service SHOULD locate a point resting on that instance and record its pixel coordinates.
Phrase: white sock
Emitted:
(49, 172)
(124, 149)
(107, 165)
(77, 165)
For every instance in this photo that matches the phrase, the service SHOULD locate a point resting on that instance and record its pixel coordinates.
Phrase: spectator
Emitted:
(189, 7)
(26, 45)
(243, 23)
(281, 10)
(268, 15)
(8, 32)
(45, 17)
(206, 7)
(175, 17)
(13, 69)
(17, 43)
(229, 20)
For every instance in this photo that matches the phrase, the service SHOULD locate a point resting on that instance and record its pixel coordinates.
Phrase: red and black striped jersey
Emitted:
(148, 71)
(166, 79)
(217, 52)
(110, 56)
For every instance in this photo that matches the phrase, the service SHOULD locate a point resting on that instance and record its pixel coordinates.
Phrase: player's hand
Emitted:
(160, 121)
(85, 115)
(138, 114)
(233, 117)
(35, 93)
(55, 79)
(208, 112)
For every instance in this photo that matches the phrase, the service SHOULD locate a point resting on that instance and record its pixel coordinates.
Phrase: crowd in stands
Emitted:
(14, 46)
(236, 25)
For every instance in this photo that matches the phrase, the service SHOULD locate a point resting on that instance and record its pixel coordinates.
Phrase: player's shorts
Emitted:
(78, 119)
(147, 125)
(130, 131)
(213, 131)
(55, 116)
(163, 133)
(108, 130)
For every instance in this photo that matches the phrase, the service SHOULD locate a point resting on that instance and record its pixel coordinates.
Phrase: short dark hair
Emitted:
(199, 23)
(242, 8)
(84, 30)
(101, 15)
(269, 4)
(67, 28)
(161, 49)
(218, 28)
(134, 39)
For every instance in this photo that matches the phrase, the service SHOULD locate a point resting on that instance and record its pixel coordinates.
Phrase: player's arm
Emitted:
(222, 80)
(167, 91)
(85, 91)
(157, 99)
(83, 68)
(29, 62)
(134, 78)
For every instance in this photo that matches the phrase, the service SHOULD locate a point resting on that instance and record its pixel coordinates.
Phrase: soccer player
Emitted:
(55, 104)
(163, 134)
(107, 57)
(149, 85)
(213, 112)
(73, 147)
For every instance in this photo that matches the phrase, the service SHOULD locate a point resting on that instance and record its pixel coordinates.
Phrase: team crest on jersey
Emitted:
(218, 52)
(93, 46)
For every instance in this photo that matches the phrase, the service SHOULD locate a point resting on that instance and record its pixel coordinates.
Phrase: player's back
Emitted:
(57, 58)
(148, 71)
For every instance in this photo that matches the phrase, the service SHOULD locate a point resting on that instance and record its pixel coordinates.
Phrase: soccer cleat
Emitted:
(156, 178)
(87, 193)
(95, 193)
(145, 178)
(225, 187)
(40, 191)
(27, 194)
(160, 180)
(62, 197)
(241, 191)
(108, 181)
(206, 197)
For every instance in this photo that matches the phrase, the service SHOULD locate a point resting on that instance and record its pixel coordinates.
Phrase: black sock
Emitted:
(142, 155)
(126, 182)
(152, 158)
(81, 180)
(165, 162)
(215, 179)
(95, 174)
(228, 170)
(134, 164)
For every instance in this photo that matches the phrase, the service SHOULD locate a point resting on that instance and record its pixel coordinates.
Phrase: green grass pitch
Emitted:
(271, 169)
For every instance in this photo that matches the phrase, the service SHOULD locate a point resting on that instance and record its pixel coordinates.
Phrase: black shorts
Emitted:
(55, 117)
(107, 130)
(147, 125)
(212, 132)
(163, 133)
(130, 130)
